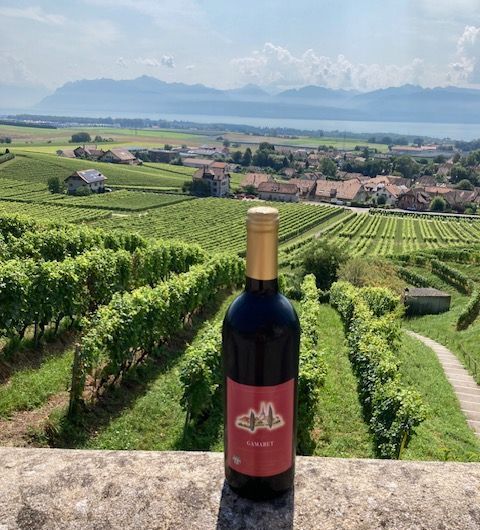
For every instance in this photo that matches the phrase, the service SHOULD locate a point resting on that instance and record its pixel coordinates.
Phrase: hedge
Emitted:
(452, 276)
(41, 292)
(133, 324)
(312, 366)
(471, 310)
(373, 331)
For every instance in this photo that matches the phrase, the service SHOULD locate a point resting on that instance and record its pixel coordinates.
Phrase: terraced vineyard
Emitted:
(52, 212)
(386, 235)
(127, 200)
(218, 224)
(39, 167)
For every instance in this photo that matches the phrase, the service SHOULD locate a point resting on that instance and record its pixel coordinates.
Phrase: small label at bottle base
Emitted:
(260, 428)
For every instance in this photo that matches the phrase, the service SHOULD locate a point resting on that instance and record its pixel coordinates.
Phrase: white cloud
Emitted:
(277, 66)
(14, 72)
(151, 62)
(168, 61)
(466, 67)
(36, 14)
(190, 67)
(98, 33)
(121, 62)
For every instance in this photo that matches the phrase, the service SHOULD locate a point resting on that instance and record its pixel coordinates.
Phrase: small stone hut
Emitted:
(426, 301)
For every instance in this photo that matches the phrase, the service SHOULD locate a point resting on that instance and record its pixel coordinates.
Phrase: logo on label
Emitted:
(266, 418)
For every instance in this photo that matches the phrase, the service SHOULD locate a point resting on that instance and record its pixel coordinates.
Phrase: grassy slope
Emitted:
(442, 328)
(444, 435)
(38, 167)
(30, 388)
(339, 429)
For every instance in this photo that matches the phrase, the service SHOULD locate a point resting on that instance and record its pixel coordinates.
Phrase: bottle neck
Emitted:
(263, 287)
(262, 259)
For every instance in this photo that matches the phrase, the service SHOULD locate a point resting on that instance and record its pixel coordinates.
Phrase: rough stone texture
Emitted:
(101, 490)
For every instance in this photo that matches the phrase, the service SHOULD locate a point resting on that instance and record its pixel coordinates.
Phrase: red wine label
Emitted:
(260, 428)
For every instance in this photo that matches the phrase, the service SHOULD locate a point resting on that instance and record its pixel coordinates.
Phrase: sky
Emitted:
(277, 44)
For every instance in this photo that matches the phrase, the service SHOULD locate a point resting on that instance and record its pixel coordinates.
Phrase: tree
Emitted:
(459, 173)
(440, 159)
(456, 158)
(418, 142)
(54, 185)
(250, 189)
(247, 157)
(328, 167)
(402, 141)
(8, 140)
(265, 146)
(80, 138)
(387, 140)
(323, 259)
(237, 157)
(83, 191)
(406, 166)
(98, 139)
(226, 143)
(438, 204)
(167, 147)
(465, 185)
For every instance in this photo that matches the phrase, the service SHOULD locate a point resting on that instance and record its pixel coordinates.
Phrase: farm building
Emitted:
(89, 152)
(119, 156)
(340, 192)
(217, 180)
(196, 162)
(278, 191)
(414, 199)
(305, 187)
(255, 179)
(426, 301)
(66, 153)
(89, 178)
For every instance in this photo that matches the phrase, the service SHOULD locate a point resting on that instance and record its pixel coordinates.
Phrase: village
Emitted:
(408, 177)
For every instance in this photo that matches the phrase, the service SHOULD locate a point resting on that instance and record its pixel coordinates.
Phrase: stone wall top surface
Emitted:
(55, 489)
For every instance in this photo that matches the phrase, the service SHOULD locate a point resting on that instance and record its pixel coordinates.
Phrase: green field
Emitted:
(39, 167)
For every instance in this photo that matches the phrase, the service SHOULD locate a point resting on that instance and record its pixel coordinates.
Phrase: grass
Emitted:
(30, 388)
(339, 428)
(442, 328)
(145, 412)
(61, 136)
(444, 435)
(39, 167)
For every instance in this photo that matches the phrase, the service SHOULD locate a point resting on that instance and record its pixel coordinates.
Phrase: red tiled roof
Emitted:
(278, 187)
(254, 179)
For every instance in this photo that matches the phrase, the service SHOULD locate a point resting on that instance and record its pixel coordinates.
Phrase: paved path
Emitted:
(465, 387)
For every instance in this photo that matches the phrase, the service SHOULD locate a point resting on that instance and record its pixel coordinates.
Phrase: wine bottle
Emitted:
(261, 337)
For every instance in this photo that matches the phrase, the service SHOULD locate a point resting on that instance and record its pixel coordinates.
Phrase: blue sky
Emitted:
(359, 44)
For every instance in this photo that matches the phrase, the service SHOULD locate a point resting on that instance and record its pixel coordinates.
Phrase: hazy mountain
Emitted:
(148, 95)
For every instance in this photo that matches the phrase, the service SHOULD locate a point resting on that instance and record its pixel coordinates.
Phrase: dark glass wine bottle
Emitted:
(261, 337)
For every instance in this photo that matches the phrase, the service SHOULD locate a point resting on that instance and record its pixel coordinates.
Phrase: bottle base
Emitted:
(259, 488)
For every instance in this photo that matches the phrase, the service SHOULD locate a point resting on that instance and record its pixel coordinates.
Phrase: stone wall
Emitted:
(55, 489)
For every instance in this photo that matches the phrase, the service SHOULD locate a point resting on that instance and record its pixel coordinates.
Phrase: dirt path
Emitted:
(16, 431)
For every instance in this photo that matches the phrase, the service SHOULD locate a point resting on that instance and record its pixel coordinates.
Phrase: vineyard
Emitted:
(217, 224)
(39, 167)
(53, 213)
(387, 235)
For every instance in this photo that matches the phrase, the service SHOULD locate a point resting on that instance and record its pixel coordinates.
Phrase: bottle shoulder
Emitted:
(250, 309)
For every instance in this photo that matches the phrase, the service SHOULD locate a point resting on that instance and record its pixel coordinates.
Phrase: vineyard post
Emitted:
(76, 388)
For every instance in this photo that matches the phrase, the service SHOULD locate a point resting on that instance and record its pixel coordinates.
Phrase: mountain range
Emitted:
(149, 95)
